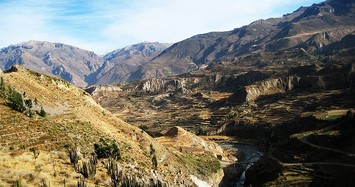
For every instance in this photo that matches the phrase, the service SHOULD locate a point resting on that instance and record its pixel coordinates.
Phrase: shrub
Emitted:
(2, 87)
(42, 112)
(143, 127)
(30, 113)
(154, 162)
(106, 150)
(16, 101)
(28, 103)
(35, 152)
(152, 150)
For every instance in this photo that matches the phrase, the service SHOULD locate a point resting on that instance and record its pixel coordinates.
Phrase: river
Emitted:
(248, 154)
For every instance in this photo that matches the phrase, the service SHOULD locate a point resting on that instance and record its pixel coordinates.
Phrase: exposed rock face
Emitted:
(270, 86)
(55, 59)
(161, 85)
(94, 90)
(331, 76)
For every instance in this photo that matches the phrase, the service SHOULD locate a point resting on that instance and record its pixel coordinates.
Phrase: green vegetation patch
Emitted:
(204, 164)
(333, 117)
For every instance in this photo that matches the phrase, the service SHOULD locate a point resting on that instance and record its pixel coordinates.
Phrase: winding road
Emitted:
(305, 141)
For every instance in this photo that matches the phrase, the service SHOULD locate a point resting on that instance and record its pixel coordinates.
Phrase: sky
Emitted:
(102, 26)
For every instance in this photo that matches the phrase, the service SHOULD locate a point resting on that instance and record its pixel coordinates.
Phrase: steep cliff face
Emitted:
(162, 85)
(331, 76)
(94, 90)
(270, 86)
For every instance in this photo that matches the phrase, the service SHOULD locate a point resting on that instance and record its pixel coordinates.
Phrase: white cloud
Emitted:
(179, 19)
(105, 25)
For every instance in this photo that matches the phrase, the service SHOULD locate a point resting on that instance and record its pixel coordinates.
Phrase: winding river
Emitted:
(250, 154)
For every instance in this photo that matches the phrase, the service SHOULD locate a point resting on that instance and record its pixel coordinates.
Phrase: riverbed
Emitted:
(247, 155)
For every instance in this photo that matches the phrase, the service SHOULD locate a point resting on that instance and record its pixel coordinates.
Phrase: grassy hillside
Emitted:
(74, 121)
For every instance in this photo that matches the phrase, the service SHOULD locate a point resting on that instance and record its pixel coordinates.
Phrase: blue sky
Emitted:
(105, 25)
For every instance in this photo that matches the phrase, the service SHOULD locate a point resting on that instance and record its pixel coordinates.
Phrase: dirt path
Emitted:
(305, 140)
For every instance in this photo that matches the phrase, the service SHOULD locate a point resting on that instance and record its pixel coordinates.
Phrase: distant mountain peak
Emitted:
(121, 62)
(55, 59)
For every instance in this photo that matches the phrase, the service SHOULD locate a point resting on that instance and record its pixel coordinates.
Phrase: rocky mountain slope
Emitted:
(55, 59)
(35, 145)
(311, 28)
(78, 66)
(119, 63)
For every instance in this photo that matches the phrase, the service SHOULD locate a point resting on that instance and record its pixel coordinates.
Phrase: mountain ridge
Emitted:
(118, 63)
(310, 28)
(55, 59)
(78, 66)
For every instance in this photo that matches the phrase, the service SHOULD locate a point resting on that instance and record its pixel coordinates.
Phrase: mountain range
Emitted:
(79, 66)
(311, 28)
(314, 29)
(281, 88)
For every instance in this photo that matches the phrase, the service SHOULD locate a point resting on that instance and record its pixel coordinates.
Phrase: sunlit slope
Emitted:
(74, 119)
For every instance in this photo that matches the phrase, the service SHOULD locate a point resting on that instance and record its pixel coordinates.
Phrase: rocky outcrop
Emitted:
(94, 90)
(329, 77)
(162, 85)
(270, 86)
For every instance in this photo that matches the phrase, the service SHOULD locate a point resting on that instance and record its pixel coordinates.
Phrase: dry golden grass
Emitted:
(52, 168)
(76, 120)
